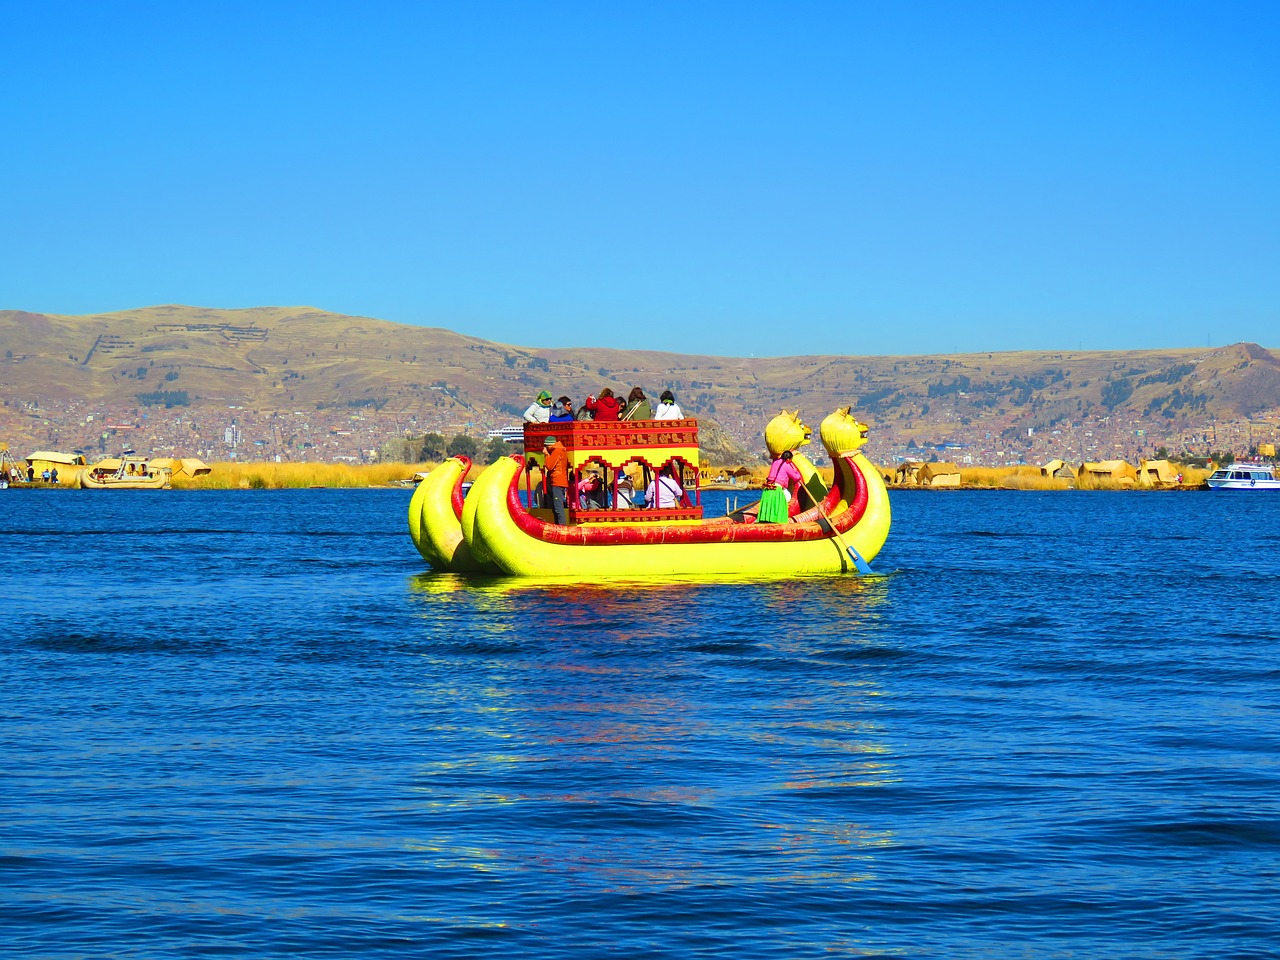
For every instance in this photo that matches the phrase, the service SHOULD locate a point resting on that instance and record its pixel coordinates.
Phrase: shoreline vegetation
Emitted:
(302, 475)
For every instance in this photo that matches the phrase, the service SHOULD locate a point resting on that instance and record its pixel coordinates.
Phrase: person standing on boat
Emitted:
(776, 497)
(540, 410)
(606, 406)
(563, 411)
(668, 409)
(638, 406)
(557, 474)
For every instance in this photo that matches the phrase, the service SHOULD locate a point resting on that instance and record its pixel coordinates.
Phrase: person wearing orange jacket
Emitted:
(557, 473)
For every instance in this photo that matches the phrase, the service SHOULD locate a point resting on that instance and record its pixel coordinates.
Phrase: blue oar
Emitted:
(824, 522)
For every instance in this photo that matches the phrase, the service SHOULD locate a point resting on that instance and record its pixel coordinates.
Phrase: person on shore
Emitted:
(776, 497)
(45, 475)
(664, 491)
(31, 474)
(668, 409)
(562, 412)
(540, 410)
(53, 475)
(557, 473)
(638, 406)
(606, 406)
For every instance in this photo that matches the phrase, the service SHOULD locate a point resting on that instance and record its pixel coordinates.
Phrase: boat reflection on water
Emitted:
(676, 724)
(814, 588)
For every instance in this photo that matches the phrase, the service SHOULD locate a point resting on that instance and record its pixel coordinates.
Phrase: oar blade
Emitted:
(863, 568)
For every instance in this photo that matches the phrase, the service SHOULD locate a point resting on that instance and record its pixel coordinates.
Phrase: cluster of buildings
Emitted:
(209, 432)
(1088, 439)
(359, 435)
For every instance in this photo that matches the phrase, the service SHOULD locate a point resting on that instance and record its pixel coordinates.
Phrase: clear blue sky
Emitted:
(732, 178)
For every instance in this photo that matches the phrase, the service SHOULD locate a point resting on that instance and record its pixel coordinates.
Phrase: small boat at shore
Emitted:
(494, 530)
(124, 473)
(1244, 476)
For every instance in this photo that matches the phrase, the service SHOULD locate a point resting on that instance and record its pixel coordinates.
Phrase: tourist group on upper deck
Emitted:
(605, 407)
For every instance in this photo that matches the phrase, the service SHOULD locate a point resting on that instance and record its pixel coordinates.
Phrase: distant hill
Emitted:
(168, 358)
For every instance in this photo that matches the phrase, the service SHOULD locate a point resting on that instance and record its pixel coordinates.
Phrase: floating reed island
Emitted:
(242, 475)
(736, 477)
(1055, 475)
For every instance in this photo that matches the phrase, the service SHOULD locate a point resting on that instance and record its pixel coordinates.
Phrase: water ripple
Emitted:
(253, 726)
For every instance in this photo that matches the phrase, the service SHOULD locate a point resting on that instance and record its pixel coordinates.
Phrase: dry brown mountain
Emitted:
(299, 358)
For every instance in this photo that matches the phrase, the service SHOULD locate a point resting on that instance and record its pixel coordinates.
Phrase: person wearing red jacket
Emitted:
(606, 406)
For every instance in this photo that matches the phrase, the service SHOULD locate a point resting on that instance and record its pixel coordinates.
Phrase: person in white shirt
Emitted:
(668, 409)
(625, 493)
(540, 410)
(664, 491)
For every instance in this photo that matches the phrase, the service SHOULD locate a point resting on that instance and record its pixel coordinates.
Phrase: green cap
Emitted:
(544, 397)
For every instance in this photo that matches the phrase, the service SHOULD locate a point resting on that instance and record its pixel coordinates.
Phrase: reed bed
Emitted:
(283, 476)
(1030, 478)
(1195, 476)
(1011, 478)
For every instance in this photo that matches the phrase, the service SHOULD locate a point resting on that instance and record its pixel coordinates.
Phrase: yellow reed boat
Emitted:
(123, 473)
(492, 530)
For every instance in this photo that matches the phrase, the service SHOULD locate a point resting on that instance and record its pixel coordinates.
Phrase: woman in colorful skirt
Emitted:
(776, 498)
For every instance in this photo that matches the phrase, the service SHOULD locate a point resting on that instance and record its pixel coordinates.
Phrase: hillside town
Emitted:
(292, 384)
(231, 433)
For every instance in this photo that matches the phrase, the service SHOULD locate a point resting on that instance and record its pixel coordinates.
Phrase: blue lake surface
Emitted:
(252, 724)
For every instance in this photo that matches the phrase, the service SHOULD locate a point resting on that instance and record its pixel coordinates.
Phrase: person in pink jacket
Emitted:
(780, 488)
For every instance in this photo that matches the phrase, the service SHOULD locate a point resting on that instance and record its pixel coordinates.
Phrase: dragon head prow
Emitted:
(786, 431)
(842, 434)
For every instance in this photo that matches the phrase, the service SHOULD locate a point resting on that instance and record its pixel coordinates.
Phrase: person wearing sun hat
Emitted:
(540, 410)
(591, 490)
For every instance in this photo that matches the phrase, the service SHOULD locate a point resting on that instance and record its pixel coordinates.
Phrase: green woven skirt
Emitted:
(773, 506)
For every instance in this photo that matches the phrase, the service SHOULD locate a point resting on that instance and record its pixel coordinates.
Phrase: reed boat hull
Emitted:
(158, 482)
(492, 531)
(435, 513)
(509, 540)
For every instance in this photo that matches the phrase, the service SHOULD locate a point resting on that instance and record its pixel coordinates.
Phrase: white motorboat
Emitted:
(1245, 476)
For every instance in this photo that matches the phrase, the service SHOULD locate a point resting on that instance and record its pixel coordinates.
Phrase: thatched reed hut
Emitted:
(907, 470)
(1158, 473)
(1108, 471)
(940, 474)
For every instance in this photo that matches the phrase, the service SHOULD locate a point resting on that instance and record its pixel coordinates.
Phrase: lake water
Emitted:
(251, 724)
